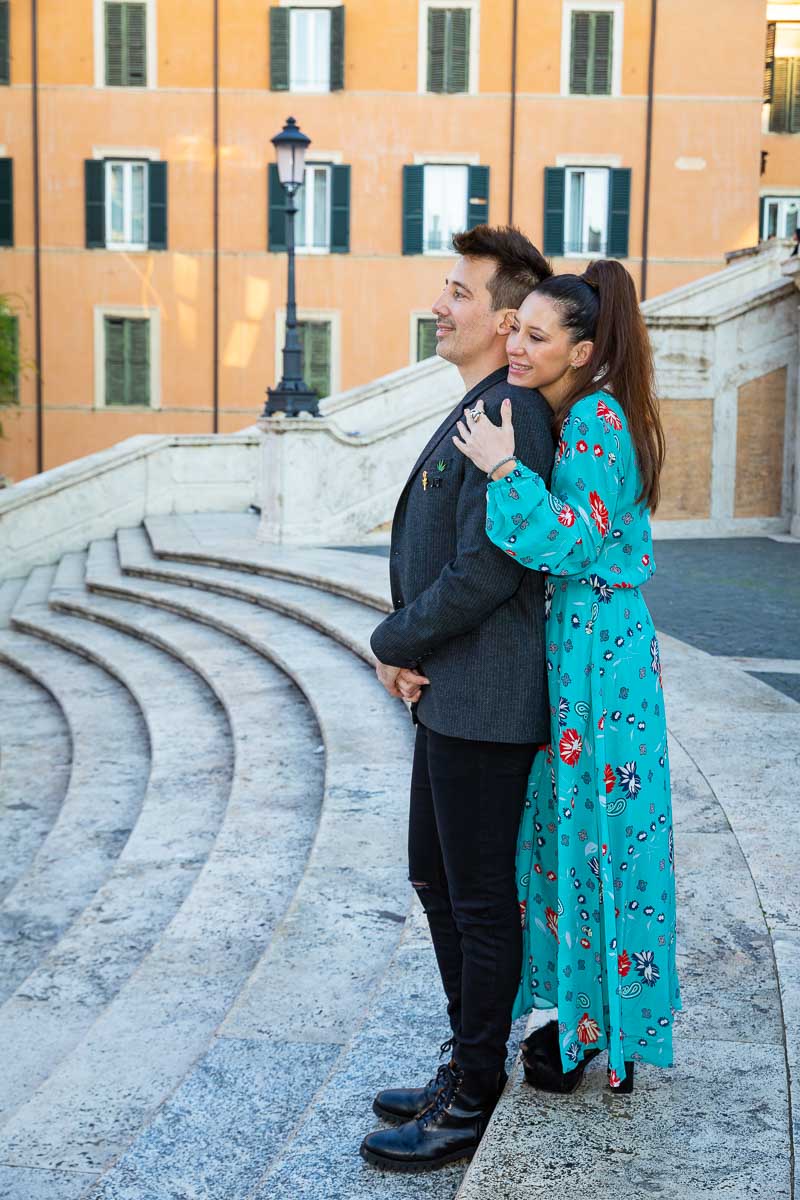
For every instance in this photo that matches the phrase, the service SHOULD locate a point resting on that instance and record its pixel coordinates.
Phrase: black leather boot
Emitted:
(403, 1104)
(449, 1129)
(541, 1062)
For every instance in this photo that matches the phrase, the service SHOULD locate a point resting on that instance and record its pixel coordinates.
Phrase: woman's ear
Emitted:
(581, 353)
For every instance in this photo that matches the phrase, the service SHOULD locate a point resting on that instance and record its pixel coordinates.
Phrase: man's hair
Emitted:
(520, 266)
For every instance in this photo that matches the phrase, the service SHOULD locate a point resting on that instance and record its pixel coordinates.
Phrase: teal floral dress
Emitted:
(595, 866)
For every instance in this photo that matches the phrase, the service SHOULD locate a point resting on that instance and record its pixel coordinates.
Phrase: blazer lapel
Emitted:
(453, 417)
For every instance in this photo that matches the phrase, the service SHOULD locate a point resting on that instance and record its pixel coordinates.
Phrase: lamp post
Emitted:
(292, 395)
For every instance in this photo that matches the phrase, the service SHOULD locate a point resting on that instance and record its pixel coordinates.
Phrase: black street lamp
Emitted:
(292, 395)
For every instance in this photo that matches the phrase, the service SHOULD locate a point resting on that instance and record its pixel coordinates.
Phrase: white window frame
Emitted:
(617, 9)
(326, 249)
(584, 254)
(127, 202)
(474, 7)
(414, 320)
(332, 315)
(101, 311)
(444, 161)
(313, 89)
(779, 194)
(100, 46)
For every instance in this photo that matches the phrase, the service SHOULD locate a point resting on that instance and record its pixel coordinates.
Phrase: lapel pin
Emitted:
(441, 465)
(424, 481)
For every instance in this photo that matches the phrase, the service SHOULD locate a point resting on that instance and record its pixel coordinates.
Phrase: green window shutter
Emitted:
(9, 358)
(762, 204)
(477, 197)
(619, 211)
(554, 207)
(781, 83)
(5, 48)
(137, 362)
(413, 201)
(6, 202)
(135, 44)
(426, 338)
(276, 210)
(437, 22)
(769, 61)
(127, 348)
(114, 45)
(94, 171)
(157, 205)
(794, 97)
(337, 49)
(457, 50)
(340, 210)
(590, 62)
(315, 340)
(279, 49)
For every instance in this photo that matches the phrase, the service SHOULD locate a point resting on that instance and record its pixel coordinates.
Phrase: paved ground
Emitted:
(736, 597)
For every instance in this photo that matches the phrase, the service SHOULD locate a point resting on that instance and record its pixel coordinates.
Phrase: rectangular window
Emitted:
(125, 44)
(313, 220)
(591, 53)
(310, 50)
(445, 205)
(780, 216)
(126, 204)
(448, 49)
(586, 210)
(127, 361)
(9, 357)
(5, 48)
(426, 338)
(315, 340)
(782, 77)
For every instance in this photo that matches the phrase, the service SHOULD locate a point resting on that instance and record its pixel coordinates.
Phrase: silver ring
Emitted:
(475, 413)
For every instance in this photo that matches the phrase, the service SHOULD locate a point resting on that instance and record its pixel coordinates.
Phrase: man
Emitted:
(465, 644)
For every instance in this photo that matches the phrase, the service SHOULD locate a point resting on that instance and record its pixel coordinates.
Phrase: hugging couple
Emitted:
(540, 828)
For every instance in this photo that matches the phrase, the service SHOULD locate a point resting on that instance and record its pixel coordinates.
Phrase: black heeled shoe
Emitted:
(541, 1062)
(626, 1086)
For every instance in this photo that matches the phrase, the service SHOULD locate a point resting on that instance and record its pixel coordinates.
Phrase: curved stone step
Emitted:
(229, 539)
(188, 779)
(347, 621)
(108, 775)
(305, 994)
(34, 729)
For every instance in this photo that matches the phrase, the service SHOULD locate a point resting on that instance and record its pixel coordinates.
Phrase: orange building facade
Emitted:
(156, 237)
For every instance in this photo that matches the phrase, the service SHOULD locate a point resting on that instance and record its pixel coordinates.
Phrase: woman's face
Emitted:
(540, 350)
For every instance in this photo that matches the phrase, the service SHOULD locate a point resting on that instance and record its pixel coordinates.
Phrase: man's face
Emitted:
(466, 326)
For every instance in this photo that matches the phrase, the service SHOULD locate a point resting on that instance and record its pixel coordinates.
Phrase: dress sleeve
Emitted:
(563, 531)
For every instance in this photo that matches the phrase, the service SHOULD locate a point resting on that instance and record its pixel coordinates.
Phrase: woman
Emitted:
(595, 850)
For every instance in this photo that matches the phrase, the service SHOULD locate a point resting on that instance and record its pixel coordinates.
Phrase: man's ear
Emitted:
(506, 321)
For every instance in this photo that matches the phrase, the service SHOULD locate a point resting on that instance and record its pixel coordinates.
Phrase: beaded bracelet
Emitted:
(502, 463)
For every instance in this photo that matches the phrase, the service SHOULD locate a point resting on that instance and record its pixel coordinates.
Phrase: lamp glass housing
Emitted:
(291, 163)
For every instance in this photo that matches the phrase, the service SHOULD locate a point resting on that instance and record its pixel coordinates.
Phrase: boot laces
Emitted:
(443, 1098)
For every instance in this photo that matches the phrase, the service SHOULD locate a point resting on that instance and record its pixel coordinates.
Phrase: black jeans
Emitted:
(466, 803)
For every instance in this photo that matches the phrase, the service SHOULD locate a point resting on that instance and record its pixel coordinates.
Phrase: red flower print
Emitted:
(523, 905)
(587, 945)
(646, 560)
(551, 875)
(610, 778)
(537, 868)
(566, 516)
(562, 449)
(581, 447)
(598, 451)
(601, 724)
(599, 512)
(551, 917)
(624, 963)
(511, 553)
(570, 747)
(613, 1079)
(607, 414)
(588, 1030)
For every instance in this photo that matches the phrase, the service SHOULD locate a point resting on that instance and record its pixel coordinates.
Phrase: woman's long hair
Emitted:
(600, 306)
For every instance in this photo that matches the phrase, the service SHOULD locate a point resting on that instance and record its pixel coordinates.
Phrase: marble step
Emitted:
(229, 539)
(109, 765)
(185, 781)
(308, 989)
(33, 730)
(347, 621)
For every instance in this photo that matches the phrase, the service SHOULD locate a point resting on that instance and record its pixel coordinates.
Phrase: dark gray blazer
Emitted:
(466, 613)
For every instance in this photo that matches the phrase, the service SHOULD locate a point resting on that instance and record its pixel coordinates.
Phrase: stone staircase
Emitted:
(208, 959)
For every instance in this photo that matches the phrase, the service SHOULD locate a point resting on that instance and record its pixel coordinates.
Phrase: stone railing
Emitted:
(63, 509)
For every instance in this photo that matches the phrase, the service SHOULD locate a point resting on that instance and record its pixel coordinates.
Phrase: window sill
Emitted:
(310, 89)
(139, 408)
(312, 250)
(443, 253)
(128, 247)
